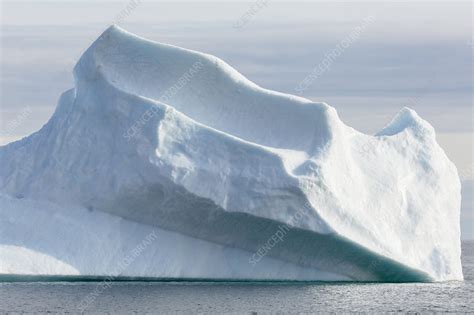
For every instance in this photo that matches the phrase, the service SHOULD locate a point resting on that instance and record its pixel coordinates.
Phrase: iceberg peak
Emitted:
(407, 118)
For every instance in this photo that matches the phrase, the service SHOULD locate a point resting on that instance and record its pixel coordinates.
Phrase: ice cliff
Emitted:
(232, 181)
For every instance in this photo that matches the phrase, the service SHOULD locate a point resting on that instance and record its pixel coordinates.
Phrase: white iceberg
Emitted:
(232, 181)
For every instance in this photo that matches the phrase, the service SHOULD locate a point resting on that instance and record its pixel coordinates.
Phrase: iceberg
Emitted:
(164, 162)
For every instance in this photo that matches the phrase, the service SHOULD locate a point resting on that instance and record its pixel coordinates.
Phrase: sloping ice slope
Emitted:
(171, 139)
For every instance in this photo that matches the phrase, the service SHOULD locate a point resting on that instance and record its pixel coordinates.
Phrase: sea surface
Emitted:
(249, 297)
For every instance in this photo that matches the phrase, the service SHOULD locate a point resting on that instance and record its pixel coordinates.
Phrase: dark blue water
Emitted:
(222, 297)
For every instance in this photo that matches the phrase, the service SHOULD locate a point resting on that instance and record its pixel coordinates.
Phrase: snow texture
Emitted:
(233, 181)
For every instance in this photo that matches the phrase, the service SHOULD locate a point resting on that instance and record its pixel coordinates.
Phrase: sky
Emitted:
(410, 53)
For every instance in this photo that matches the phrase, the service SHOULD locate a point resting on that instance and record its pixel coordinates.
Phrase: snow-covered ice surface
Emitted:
(163, 141)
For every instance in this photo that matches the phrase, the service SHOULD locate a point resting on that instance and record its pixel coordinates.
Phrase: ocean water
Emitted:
(250, 297)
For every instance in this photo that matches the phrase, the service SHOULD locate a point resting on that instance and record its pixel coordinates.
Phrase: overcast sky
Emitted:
(416, 54)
